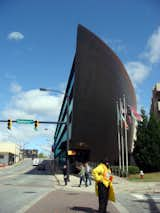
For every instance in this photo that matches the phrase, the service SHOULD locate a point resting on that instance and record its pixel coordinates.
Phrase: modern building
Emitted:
(9, 153)
(96, 81)
(155, 104)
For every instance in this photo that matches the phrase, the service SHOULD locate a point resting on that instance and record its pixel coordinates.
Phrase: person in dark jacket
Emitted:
(65, 174)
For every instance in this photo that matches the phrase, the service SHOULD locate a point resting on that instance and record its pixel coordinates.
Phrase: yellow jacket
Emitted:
(102, 174)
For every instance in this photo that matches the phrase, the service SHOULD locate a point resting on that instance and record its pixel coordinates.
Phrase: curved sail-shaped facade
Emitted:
(97, 80)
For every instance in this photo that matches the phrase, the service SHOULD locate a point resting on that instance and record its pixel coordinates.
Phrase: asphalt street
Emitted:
(21, 186)
(25, 189)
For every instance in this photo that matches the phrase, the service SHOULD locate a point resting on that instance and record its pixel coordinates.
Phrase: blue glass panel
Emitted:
(65, 118)
(59, 134)
(70, 86)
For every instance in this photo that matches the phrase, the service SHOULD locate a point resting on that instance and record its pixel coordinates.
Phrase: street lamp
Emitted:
(67, 123)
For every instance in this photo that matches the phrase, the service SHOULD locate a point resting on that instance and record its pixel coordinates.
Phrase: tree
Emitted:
(153, 131)
(147, 145)
(140, 152)
(41, 155)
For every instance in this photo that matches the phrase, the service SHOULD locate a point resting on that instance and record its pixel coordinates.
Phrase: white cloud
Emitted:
(137, 71)
(32, 104)
(117, 45)
(15, 87)
(10, 76)
(152, 52)
(15, 36)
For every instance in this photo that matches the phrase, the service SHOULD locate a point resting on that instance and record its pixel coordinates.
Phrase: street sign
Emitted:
(24, 121)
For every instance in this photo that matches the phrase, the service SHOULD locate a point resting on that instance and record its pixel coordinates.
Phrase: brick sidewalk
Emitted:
(69, 199)
(68, 202)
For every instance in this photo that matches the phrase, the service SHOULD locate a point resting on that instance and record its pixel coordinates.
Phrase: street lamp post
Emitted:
(67, 125)
(67, 147)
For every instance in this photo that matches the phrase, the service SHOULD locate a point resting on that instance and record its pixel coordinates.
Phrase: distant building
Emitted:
(155, 105)
(9, 153)
(96, 82)
(30, 153)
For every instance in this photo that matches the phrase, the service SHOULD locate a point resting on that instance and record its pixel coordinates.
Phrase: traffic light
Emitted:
(36, 123)
(9, 124)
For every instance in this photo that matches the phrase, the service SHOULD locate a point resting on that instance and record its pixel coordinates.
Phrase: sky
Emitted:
(37, 47)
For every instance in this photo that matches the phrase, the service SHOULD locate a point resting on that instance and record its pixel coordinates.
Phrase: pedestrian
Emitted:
(65, 174)
(81, 174)
(87, 174)
(103, 184)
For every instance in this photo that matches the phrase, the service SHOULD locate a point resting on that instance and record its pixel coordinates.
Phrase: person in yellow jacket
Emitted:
(103, 184)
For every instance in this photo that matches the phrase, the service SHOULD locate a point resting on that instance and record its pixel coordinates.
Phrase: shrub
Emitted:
(133, 169)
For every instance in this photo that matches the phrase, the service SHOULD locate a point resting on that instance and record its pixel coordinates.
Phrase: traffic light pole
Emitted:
(67, 145)
(67, 126)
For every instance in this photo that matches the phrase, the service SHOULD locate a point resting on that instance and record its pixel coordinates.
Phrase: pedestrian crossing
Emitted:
(147, 196)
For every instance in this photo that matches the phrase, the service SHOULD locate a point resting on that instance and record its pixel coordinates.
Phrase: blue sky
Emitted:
(37, 46)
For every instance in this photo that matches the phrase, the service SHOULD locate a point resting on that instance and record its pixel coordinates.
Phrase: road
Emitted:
(139, 202)
(23, 185)
(141, 197)
(23, 188)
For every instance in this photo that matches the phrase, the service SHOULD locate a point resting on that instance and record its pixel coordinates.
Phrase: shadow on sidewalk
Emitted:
(84, 209)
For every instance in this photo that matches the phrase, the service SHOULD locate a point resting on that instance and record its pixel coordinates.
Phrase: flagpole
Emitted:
(118, 135)
(125, 135)
(122, 139)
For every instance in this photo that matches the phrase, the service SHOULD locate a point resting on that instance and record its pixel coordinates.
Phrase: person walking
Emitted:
(103, 184)
(65, 174)
(87, 174)
(81, 174)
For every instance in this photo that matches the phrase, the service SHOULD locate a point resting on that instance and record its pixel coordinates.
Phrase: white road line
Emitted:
(145, 197)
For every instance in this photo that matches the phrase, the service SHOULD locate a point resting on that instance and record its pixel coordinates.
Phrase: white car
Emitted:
(36, 162)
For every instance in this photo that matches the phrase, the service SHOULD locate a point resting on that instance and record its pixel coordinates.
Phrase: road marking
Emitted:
(147, 197)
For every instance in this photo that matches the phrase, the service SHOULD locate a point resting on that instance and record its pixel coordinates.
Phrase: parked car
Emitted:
(36, 161)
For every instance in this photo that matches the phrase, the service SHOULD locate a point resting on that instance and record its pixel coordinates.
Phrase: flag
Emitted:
(129, 115)
(124, 121)
(135, 114)
(123, 118)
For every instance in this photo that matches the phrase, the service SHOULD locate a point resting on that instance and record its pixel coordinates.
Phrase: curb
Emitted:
(58, 181)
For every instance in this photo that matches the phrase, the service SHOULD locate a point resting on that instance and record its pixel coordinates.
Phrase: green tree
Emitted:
(140, 151)
(147, 145)
(41, 155)
(153, 132)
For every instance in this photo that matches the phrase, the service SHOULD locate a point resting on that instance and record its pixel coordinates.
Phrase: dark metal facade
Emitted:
(100, 79)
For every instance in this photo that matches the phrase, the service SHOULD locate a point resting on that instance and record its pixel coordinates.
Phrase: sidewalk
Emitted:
(69, 199)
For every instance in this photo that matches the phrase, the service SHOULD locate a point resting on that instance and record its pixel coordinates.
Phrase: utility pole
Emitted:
(67, 146)
(67, 125)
